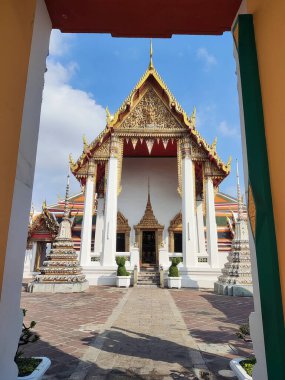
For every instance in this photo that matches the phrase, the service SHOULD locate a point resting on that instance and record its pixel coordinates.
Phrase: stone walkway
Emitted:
(141, 333)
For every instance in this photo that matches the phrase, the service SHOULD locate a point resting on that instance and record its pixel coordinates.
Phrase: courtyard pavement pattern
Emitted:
(141, 333)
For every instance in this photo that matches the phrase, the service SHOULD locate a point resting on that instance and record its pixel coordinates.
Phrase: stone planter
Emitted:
(123, 281)
(238, 370)
(174, 282)
(38, 372)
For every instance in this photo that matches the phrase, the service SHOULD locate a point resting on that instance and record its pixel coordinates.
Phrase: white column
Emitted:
(200, 227)
(99, 226)
(86, 232)
(110, 216)
(212, 233)
(14, 249)
(189, 234)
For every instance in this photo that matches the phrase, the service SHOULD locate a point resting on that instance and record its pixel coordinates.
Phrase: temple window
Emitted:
(178, 242)
(121, 242)
(123, 234)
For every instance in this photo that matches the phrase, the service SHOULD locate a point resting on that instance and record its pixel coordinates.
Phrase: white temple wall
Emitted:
(162, 175)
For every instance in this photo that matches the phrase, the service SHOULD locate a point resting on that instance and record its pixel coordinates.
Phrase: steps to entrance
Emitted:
(148, 276)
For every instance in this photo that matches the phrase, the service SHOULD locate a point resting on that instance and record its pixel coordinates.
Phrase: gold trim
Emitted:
(123, 227)
(175, 226)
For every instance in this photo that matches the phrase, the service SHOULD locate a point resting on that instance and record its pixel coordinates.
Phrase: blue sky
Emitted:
(88, 72)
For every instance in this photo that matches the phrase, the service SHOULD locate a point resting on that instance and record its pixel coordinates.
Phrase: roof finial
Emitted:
(150, 66)
(66, 211)
(148, 190)
(239, 198)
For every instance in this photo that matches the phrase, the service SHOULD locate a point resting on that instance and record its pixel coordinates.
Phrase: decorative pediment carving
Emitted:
(150, 113)
(176, 223)
(211, 170)
(198, 153)
(103, 152)
(44, 223)
(148, 220)
(122, 223)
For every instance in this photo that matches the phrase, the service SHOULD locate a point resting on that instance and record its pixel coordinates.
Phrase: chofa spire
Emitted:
(66, 211)
(239, 198)
(150, 66)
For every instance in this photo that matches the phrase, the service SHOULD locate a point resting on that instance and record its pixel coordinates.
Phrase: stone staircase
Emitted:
(148, 276)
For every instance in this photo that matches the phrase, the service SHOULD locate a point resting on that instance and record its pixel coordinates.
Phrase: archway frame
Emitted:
(26, 71)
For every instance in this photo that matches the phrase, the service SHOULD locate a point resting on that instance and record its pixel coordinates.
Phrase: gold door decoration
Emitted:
(175, 226)
(149, 223)
(123, 227)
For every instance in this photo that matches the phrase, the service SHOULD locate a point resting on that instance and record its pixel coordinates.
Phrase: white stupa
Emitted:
(61, 272)
(236, 277)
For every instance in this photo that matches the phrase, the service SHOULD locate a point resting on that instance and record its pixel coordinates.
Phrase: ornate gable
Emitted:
(149, 220)
(43, 226)
(150, 113)
(176, 223)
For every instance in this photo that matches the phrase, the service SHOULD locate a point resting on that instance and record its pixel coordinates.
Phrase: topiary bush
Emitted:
(173, 270)
(121, 271)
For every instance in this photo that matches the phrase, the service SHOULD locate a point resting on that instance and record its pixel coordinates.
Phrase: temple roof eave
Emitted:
(114, 121)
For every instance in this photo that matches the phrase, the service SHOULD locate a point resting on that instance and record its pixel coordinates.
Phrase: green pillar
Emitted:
(259, 180)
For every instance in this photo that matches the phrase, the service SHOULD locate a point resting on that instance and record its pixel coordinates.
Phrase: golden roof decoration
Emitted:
(85, 143)
(45, 221)
(188, 121)
(148, 220)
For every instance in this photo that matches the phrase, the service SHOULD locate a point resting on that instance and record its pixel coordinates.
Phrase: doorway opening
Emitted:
(148, 248)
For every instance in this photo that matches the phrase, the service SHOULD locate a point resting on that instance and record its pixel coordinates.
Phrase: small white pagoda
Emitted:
(236, 279)
(61, 272)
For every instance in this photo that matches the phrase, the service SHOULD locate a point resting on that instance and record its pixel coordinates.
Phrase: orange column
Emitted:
(16, 28)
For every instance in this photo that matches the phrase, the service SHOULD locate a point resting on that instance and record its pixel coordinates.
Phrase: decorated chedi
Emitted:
(236, 277)
(61, 272)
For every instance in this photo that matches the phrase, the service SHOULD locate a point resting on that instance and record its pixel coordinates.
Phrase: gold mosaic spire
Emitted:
(66, 211)
(150, 66)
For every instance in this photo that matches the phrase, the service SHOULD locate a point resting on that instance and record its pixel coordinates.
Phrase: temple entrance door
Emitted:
(148, 247)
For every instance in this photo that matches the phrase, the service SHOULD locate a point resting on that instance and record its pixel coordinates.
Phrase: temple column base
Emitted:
(41, 287)
(233, 290)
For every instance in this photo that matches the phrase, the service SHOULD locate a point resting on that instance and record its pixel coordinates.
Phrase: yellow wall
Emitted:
(269, 26)
(16, 28)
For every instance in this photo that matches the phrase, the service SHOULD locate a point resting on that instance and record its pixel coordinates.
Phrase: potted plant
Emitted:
(174, 280)
(30, 368)
(123, 277)
(243, 367)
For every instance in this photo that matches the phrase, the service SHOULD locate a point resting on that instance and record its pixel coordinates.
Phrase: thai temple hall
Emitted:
(150, 192)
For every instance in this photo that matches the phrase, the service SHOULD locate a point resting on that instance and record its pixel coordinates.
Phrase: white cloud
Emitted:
(60, 43)
(67, 114)
(206, 116)
(227, 130)
(208, 59)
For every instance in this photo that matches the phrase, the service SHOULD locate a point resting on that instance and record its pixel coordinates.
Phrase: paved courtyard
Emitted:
(141, 333)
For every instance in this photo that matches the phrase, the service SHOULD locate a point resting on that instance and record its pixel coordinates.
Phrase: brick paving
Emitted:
(143, 333)
(213, 320)
(67, 323)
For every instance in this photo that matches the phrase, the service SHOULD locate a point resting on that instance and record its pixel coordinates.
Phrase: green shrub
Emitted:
(243, 331)
(121, 271)
(173, 270)
(27, 336)
(248, 365)
(26, 366)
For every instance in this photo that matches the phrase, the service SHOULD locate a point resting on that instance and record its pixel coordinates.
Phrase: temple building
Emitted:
(149, 192)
